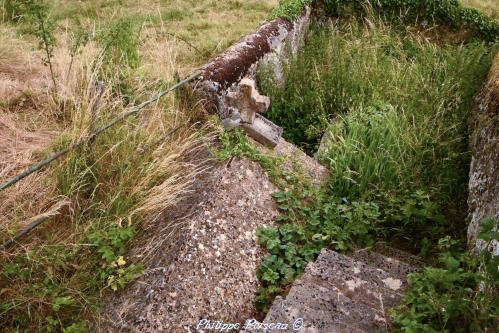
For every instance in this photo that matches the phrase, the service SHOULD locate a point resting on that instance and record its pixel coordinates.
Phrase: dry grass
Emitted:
(131, 173)
(489, 7)
(176, 177)
(34, 194)
(20, 67)
(208, 25)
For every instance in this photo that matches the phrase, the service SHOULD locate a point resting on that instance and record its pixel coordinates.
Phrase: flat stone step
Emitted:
(263, 131)
(362, 283)
(315, 173)
(395, 262)
(340, 293)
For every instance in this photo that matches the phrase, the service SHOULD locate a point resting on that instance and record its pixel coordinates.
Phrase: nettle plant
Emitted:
(460, 295)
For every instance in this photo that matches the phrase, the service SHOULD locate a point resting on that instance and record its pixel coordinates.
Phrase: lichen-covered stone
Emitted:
(273, 42)
(226, 69)
(483, 200)
(213, 276)
(247, 101)
(340, 293)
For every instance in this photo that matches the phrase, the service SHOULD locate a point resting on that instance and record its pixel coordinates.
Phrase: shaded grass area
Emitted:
(387, 113)
(430, 13)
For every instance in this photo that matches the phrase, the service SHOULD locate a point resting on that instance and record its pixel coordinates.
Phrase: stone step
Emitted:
(340, 293)
(397, 263)
(362, 283)
(320, 307)
(313, 172)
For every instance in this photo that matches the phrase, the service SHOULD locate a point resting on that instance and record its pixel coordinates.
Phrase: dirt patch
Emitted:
(213, 275)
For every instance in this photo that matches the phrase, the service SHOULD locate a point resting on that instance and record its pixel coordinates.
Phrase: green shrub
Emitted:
(120, 42)
(460, 295)
(402, 12)
(288, 9)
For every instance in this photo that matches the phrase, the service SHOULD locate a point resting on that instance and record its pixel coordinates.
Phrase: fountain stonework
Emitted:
(227, 82)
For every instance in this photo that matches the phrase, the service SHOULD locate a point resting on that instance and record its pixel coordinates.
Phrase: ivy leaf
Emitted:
(273, 246)
(270, 276)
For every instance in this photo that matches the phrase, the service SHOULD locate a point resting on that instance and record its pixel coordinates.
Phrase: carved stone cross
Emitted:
(248, 101)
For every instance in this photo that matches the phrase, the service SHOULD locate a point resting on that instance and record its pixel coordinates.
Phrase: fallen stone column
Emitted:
(228, 68)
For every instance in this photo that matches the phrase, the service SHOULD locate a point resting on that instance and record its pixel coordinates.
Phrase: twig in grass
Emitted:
(35, 221)
(183, 40)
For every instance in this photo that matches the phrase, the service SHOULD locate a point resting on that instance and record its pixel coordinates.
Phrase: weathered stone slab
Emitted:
(263, 131)
(362, 283)
(314, 172)
(277, 63)
(339, 293)
(395, 262)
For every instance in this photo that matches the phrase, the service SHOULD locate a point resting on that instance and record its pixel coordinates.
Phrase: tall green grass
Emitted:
(393, 109)
(389, 114)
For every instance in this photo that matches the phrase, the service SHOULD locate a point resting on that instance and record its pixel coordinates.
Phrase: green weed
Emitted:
(40, 23)
(289, 9)
(120, 43)
(459, 295)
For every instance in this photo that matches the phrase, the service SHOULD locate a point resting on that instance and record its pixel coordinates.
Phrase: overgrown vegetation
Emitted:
(57, 282)
(100, 196)
(289, 9)
(401, 12)
(37, 15)
(460, 295)
(428, 12)
(120, 43)
(391, 110)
